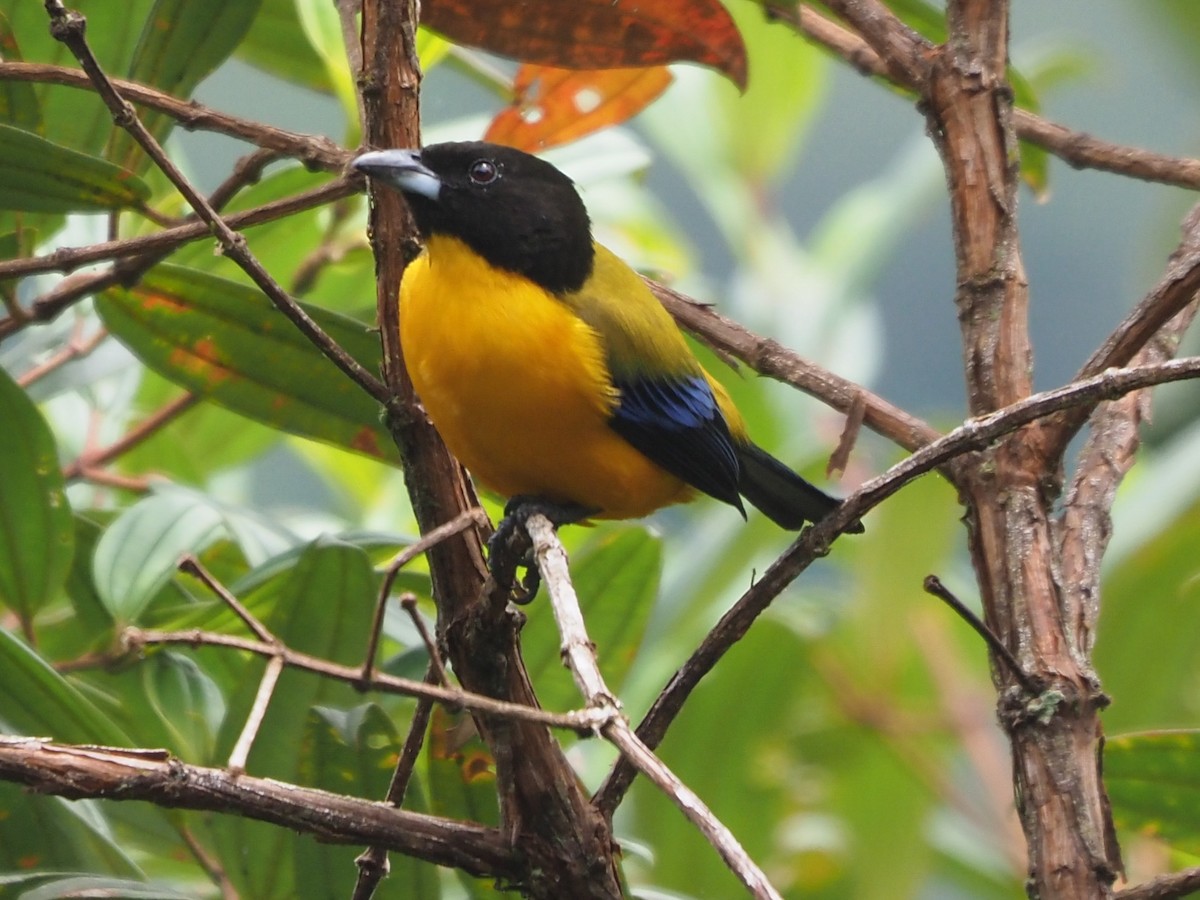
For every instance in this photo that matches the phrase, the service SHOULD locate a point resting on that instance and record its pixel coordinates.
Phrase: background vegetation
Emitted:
(156, 404)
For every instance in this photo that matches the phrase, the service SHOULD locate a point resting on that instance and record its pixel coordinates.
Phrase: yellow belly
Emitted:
(516, 385)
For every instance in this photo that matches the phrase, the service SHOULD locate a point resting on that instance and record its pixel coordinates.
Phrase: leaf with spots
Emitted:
(227, 342)
(462, 771)
(354, 751)
(555, 106)
(1153, 782)
(596, 34)
(37, 175)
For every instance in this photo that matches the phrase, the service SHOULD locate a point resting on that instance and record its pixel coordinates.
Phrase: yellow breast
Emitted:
(517, 386)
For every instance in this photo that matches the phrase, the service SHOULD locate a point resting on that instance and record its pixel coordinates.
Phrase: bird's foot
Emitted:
(509, 547)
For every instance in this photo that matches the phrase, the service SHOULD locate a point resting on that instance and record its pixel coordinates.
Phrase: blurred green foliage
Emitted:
(849, 740)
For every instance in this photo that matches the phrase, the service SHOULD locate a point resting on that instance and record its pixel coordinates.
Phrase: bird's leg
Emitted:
(509, 546)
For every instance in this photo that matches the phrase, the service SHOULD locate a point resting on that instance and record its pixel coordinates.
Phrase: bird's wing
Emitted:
(666, 407)
(675, 422)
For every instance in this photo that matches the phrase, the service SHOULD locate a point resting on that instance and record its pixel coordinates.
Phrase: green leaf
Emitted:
(354, 752)
(139, 553)
(323, 606)
(36, 532)
(72, 116)
(276, 43)
(323, 28)
(37, 700)
(616, 578)
(43, 838)
(19, 104)
(181, 42)
(462, 771)
(227, 342)
(109, 888)
(187, 701)
(37, 175)
(1153, 781)
(1161, 572)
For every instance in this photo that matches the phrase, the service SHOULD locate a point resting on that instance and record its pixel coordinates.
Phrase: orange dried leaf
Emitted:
(556, 106)
(596, 34)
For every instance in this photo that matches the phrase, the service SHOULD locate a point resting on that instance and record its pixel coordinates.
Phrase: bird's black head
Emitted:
(516, 211)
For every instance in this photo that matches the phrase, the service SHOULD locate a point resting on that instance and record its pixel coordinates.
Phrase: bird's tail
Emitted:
(782, 495)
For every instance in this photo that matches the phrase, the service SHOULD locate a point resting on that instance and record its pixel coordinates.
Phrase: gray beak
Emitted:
(400, 169)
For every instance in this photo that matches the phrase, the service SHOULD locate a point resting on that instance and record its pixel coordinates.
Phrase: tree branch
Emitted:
(1175, 291)
(770, 358)
(581, 722)
(565, 844)
(1164, 887)
(78, 772)
(315, 151)
(1085, 526)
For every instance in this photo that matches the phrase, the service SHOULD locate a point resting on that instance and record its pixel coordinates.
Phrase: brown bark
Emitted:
(157, 777)
(1056, 736)
(563, 843)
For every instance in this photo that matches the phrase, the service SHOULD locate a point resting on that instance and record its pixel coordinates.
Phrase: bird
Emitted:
(546, 363)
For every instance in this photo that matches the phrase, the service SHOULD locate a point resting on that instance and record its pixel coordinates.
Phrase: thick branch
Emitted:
(116, 774)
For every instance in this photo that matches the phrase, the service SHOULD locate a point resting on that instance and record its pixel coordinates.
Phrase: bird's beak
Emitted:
(400, 169)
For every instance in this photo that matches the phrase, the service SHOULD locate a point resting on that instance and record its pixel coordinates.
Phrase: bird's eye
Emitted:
(483, 171)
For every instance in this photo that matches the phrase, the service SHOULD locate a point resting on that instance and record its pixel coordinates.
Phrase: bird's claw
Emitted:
(509, 547)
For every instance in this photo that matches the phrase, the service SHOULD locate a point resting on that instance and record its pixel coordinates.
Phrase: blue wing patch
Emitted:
(676, 423)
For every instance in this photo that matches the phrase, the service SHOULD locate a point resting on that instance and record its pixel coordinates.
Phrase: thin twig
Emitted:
(91, 460)
(934, 586)
(460, 523)
(315, 151)
(209, 864)
(408, 602)
(132, 483)
(193, 566)
(258, 711)
(580, 721)
(68, 28)
(270, 678)
(67, 259)
(579, 655)
(74, 349)
(373, 863)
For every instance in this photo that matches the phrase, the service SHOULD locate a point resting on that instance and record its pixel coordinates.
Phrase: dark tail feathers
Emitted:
(782, 495)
